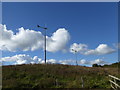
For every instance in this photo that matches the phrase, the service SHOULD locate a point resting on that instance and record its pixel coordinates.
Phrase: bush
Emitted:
(95, 65)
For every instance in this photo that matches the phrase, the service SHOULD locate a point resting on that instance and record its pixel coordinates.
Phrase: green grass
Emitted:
(56, 76)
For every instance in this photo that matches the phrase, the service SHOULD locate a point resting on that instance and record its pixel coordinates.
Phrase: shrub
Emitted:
(95, 65)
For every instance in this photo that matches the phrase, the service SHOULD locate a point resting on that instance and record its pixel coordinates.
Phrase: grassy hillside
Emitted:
(114, 65)
(56, 76)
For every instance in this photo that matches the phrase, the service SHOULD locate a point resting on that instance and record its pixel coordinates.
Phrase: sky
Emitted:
(90, 29)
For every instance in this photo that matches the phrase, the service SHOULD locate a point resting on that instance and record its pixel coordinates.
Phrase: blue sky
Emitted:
(88, 23)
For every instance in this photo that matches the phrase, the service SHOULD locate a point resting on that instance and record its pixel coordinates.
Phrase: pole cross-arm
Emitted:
(41, 27)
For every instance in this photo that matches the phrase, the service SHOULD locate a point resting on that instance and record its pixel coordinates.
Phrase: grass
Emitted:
(56, 76)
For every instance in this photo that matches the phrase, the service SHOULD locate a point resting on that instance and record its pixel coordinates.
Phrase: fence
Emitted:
(114, 81)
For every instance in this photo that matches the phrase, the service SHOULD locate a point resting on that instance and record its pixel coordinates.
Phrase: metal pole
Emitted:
(76, 58)
(44, 42)
(75, 55)
(45, 47)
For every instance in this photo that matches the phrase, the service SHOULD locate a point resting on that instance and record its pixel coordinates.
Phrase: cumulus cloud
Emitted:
(26, 59)
(102, 49)
(58, 40)
(20, 59)
(97, 61)
(26, 40)
(78, 48)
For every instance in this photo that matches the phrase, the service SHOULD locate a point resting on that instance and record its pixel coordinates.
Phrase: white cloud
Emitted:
(26, 40)
(52, 61)
(20, 59)
(58, 40)
(78, 48)
(97, 61)
(83, 49)
(66, 61)
(83, 61)
(100, 50)
(26, 59)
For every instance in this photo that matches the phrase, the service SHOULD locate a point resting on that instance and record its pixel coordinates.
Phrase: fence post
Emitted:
(82, 82)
